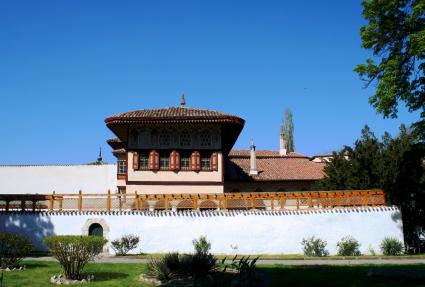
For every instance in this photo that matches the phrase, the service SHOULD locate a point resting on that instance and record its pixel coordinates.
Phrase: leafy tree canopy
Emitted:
(395, 165)
(395, 32)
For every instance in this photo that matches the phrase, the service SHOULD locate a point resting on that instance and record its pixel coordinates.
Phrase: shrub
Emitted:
(201, 245)
(126, 243)
(174, 265)
(74, 252)
(392, 246)
(246, 271)
(314, 247)
(348, 246)
(166, 268)
(13, 248)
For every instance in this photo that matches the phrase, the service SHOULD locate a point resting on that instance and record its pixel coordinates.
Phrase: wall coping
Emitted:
(206, 213)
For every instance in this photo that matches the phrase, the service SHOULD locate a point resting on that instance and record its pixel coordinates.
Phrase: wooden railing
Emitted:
(231, 201)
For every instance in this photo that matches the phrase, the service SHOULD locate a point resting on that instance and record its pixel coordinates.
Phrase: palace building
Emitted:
(188, 150)
(177, 178)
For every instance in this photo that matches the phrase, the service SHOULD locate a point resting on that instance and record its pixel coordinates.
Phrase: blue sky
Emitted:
(66, 65)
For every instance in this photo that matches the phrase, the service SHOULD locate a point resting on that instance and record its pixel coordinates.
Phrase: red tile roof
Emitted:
(272, 167)
(174, 114)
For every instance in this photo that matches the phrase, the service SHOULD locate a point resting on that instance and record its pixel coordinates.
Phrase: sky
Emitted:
(67, 65)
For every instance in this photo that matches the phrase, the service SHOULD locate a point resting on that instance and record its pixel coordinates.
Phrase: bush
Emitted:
(126, 243)
(74, 252)
(201, 245)
(174, 265)
(166, 268)
(392, 246)
(13, 248)
(348, 246)
(314, 247)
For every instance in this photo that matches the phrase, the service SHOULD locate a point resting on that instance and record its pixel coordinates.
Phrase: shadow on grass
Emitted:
(106, 276)
(327, 275)
(34, 264)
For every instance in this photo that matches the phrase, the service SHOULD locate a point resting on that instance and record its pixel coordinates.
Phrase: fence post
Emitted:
(22, 205)
(52, 200)
(108, 200)
(282, 202)
(137, 201)
(7, 205)
(80, 200)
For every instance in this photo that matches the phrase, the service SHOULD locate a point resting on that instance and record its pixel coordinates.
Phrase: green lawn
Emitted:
(290, 256)
(112, 274)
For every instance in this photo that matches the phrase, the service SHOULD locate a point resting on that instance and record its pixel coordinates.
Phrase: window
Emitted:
(185, 161)
(164, 160)
(206, 161)
(205, 139)
(144, 161)
(164, 139)
(185, 139)
(122, 167)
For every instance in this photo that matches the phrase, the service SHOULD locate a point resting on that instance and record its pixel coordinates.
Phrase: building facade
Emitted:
(186, 150)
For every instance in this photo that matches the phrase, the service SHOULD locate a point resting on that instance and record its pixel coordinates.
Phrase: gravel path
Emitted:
(271, 261)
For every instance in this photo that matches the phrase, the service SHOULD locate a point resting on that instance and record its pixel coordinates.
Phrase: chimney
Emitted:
(253, 160)
(282, 143)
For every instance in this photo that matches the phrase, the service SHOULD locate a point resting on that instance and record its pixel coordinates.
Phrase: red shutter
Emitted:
(195, 161)
(175, 160)
(153, 160)
(135, 160)
(214, 161)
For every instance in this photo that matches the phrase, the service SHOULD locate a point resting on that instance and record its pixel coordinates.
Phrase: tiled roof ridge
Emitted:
(264, 154)
(218, 113)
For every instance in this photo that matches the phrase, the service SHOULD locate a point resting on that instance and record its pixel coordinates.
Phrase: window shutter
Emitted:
(214, 161)
(135, 160)
(153, 160)
(195, 161)
(176, 157)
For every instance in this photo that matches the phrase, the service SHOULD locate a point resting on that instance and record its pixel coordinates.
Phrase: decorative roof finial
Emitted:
(182, 102)
(99, 159)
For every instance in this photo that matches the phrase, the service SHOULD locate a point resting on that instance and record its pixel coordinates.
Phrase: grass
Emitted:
(38, 274)
(290, 256)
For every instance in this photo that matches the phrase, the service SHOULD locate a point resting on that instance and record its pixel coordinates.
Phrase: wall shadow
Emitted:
(34, 226)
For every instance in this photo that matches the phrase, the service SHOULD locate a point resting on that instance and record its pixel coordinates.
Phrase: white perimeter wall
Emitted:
(60, 178)
(261, 232)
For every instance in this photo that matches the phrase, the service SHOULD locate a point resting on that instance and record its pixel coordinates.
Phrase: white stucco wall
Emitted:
(253, 232)
(59, 178)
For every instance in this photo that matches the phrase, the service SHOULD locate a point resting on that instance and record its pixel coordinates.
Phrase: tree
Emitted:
(395, 32)
(355, 168)
(393, 164)
(287, 129)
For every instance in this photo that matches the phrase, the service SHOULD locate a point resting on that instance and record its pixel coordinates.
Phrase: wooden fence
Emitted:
(255, 200)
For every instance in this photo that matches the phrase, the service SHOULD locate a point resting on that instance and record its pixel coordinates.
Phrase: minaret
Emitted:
(282, 143)
(253, 160)
(182, 102)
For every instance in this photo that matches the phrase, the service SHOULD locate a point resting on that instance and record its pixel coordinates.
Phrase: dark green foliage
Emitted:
(201, 245)
(74, 252)
(314, 247)
(166, 268)
(126, 243)
(392, 246)
(13, 248)
(395, 33)
(246, 272)
(392, 164)
(348, 246)
(174, 265)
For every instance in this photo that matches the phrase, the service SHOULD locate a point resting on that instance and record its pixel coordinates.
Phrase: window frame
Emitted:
(122, 163)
